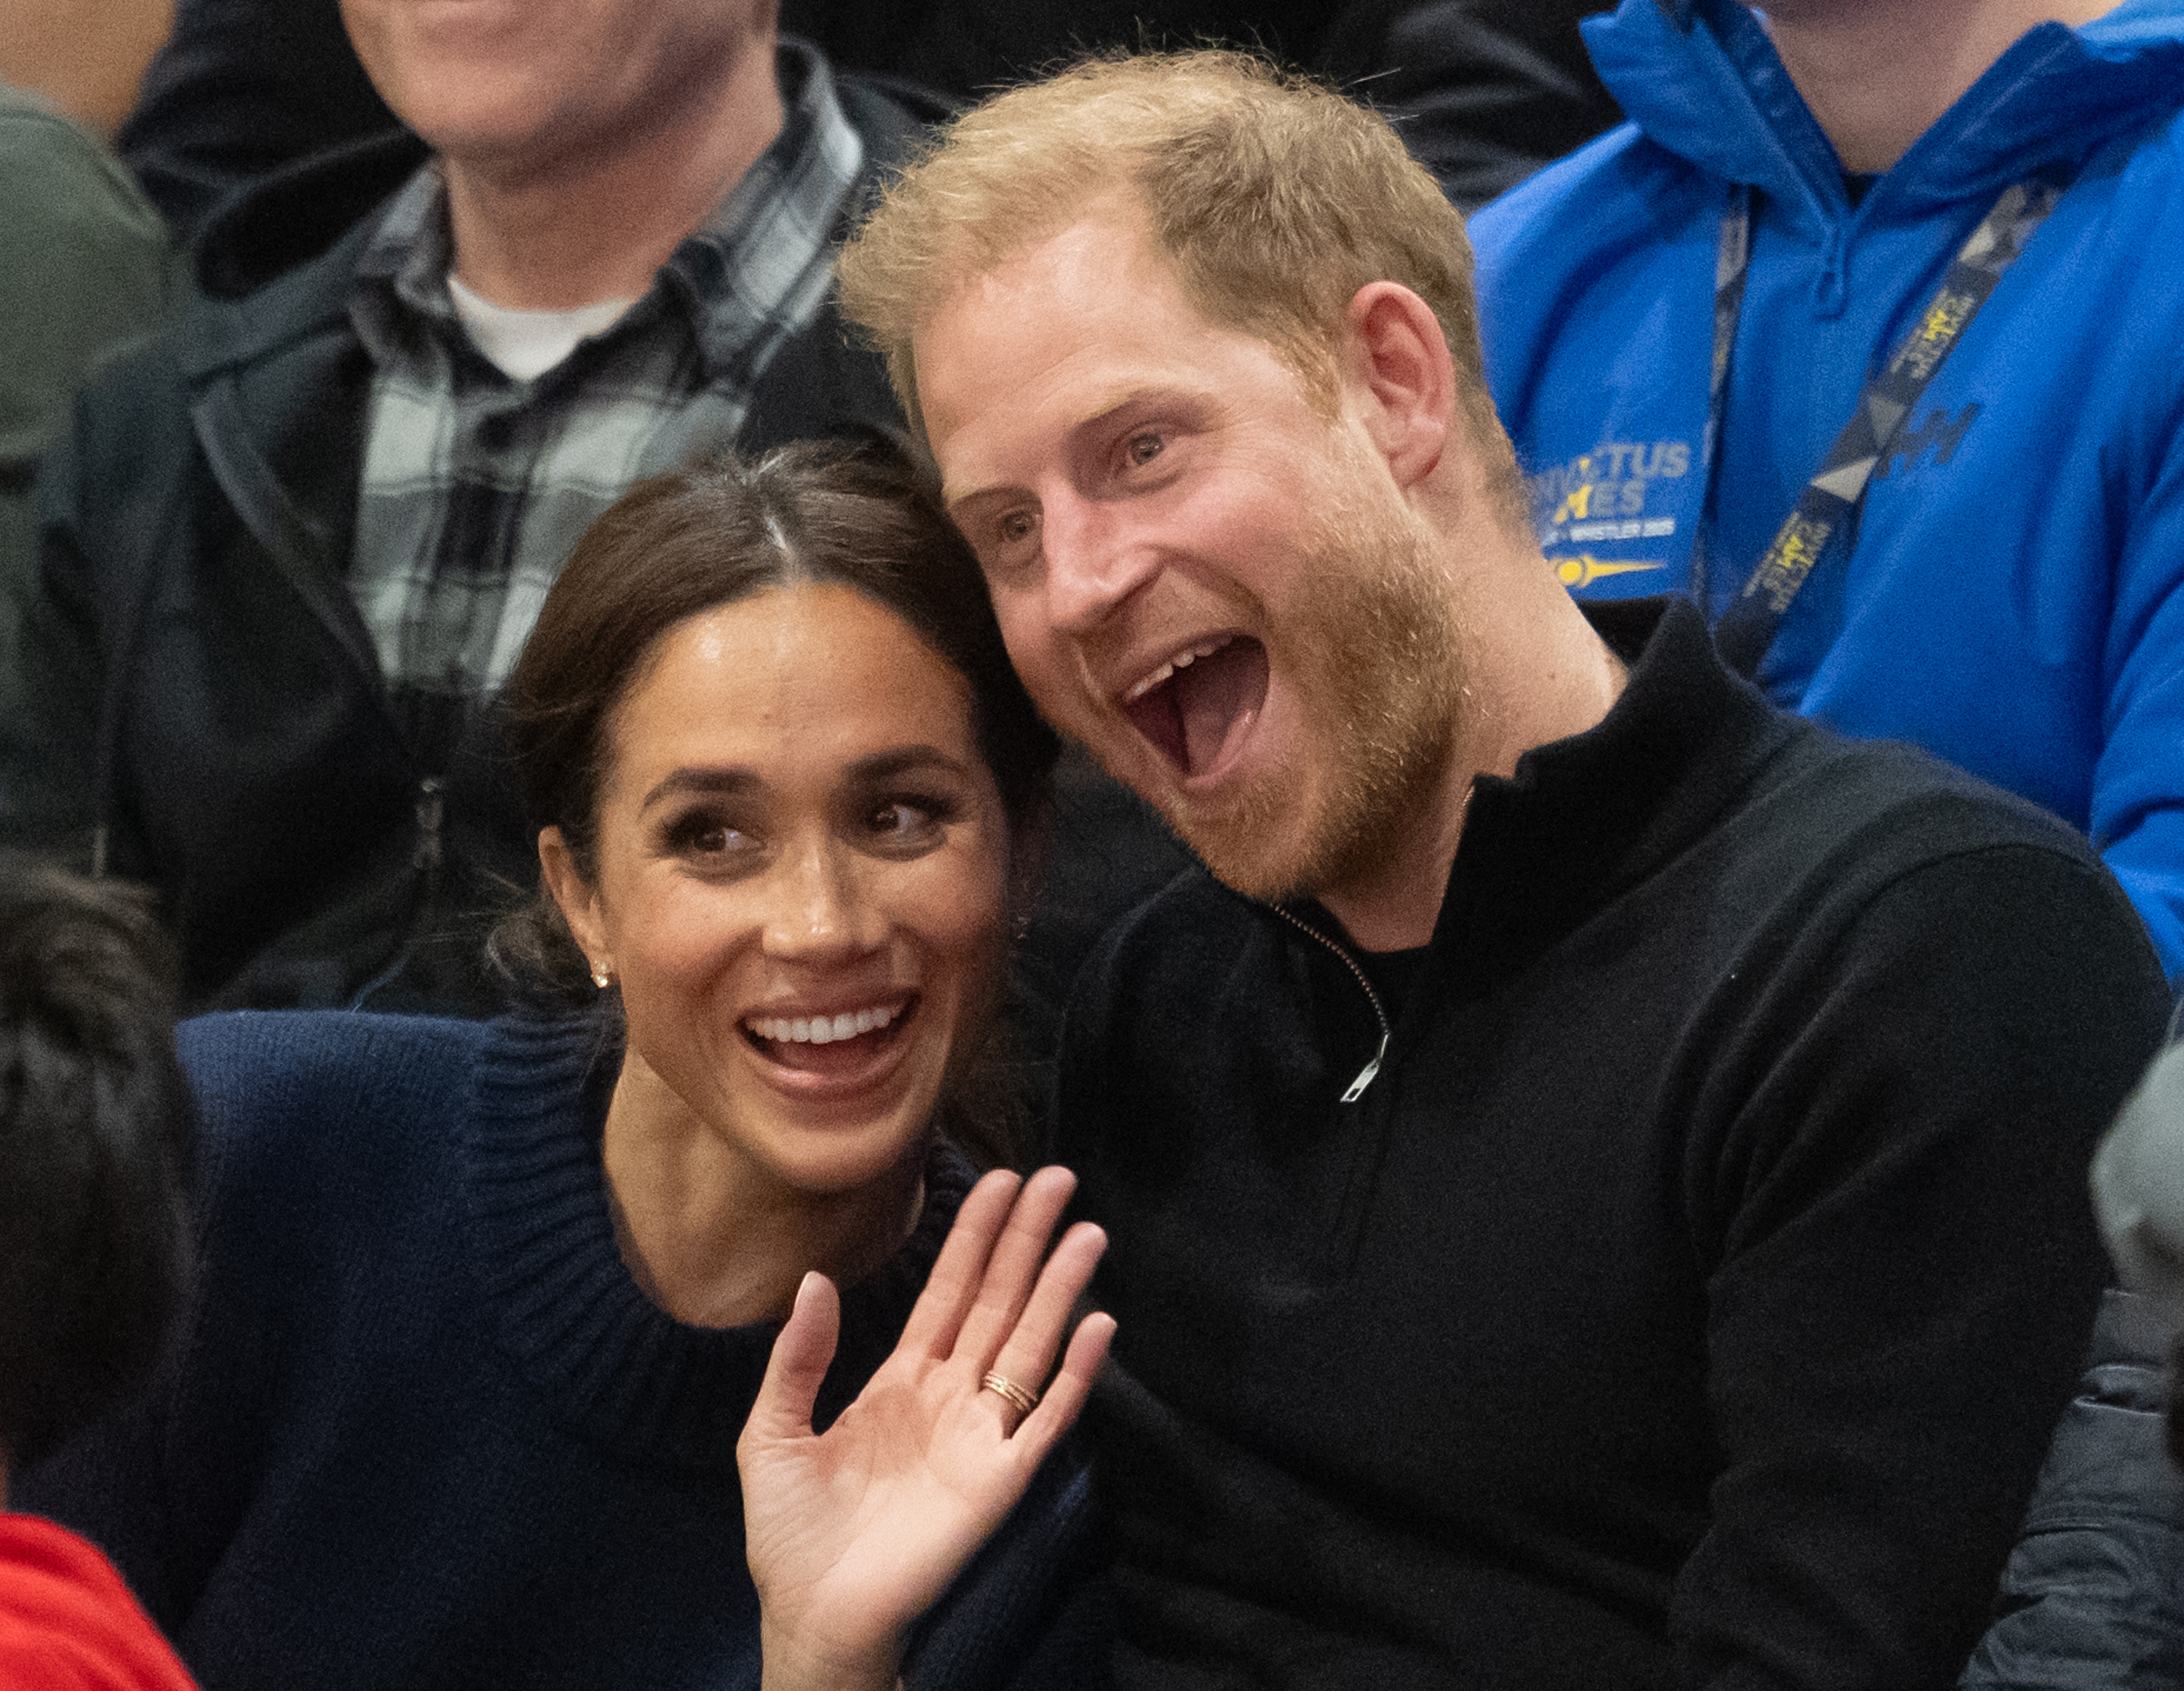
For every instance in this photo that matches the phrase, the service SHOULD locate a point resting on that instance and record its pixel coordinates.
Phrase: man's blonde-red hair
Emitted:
(1274, 198)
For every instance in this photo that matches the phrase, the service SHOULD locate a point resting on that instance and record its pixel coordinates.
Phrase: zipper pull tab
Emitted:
(1365, 1074)
(431, 809)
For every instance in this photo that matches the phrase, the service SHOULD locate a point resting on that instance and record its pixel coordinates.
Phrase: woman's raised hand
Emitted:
(851, 1534)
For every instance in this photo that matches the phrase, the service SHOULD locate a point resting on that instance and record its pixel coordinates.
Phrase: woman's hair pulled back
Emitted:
(725, 530)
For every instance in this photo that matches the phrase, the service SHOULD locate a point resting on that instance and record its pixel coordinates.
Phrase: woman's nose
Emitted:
(816, 906)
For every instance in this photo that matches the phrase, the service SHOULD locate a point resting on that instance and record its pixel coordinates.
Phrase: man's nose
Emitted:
(817, 909)
(1096, 556)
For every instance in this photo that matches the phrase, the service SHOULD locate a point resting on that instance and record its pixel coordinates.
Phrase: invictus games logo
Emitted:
(1583, 570)
(1609, 494)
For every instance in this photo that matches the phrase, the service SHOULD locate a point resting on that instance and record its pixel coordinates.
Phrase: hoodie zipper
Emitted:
(1366, 1074)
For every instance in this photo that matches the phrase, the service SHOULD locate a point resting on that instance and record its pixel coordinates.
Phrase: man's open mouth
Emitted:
(1197, 706)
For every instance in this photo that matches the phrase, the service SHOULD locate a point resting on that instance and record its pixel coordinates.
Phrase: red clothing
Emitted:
(68, 1623)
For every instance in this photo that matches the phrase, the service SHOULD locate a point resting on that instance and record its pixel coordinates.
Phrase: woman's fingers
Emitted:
(997, 1303)
(1027, 1353)
(961, 1266)
(799, 1363)
(1064, 1396)
(1014, 1265)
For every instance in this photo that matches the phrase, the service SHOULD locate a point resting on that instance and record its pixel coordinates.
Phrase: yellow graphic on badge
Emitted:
(1583, 570)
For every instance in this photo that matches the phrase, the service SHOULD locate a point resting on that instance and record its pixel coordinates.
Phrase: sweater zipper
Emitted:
(1366, 1074)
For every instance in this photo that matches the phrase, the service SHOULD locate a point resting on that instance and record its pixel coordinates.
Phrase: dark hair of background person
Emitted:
(95, 1244)
(679, 545)
(1484, 92)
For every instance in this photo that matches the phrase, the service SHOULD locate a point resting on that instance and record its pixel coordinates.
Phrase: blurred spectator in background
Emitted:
(240, 88)
(1485, 91)
(264, 689)
(94, 1242)
(86, 56)
(289, 554)
(85, 256)
(1810, 234)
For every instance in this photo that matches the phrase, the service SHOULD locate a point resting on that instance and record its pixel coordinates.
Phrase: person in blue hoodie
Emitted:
(1995, 536)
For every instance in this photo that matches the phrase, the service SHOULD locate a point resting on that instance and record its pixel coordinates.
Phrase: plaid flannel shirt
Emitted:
(475, 486)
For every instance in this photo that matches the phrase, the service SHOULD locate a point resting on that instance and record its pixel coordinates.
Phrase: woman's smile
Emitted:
(802, 885)
(839, 1054)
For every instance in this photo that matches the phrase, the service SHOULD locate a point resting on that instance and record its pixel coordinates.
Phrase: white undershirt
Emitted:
(525, 344)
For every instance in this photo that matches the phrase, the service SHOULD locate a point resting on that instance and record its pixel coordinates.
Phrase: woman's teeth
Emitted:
(821, 1030)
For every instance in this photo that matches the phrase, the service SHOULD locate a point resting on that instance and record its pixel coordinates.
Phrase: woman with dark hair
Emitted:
(484, 1306)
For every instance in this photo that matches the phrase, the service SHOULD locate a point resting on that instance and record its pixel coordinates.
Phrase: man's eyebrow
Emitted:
(699, 779)
(1101, 408)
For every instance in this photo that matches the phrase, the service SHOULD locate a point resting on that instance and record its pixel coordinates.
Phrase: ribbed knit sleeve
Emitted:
(424, 1430)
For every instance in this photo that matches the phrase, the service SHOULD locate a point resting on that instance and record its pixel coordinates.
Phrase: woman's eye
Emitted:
(1143, 449)
(904, 825)
(1014, 528)
(708, 838)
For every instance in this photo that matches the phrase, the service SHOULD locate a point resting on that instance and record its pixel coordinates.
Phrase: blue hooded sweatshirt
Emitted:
(2014, 598)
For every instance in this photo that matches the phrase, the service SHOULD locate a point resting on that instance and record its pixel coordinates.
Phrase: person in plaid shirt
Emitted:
(289, 554)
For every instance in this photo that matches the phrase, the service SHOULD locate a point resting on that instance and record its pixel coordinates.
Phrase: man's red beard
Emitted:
(1371, 648)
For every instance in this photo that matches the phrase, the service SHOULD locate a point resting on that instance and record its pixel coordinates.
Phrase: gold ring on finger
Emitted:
(1024, 1399)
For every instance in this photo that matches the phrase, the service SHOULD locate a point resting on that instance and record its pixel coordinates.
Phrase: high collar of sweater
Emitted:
(1583, 819)
(1703, 81)
(617, 1368)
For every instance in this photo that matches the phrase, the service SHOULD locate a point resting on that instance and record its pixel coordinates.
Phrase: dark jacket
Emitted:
(204, 693)
(2093, 1596)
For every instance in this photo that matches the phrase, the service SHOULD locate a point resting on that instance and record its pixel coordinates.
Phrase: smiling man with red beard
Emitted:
(1595, 1169)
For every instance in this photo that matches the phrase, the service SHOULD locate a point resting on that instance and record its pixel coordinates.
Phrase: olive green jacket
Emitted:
(85, 258)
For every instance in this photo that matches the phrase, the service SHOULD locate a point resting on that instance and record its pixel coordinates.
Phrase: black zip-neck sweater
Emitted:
(425, 1431)
(1688, 1299)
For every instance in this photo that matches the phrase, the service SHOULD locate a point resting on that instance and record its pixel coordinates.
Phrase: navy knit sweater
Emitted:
(424, 1430)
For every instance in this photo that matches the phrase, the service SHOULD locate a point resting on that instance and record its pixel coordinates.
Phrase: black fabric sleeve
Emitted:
(1015, 1602)
(240, 88)
(46, 743)
(112, 498)
(1907, 1267)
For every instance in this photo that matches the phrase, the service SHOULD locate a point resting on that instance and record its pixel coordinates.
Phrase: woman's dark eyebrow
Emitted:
(716, 782)
(897, 759)
(712, 782)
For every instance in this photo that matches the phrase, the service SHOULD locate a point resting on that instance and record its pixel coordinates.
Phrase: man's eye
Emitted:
(1014, 528)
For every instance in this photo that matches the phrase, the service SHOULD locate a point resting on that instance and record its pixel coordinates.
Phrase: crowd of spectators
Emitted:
(330, 327)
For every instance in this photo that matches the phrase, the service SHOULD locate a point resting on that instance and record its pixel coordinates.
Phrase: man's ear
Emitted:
(1393, 352)
(579, 904)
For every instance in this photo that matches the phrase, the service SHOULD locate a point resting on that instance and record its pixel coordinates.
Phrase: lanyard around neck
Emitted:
(1830, 504)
